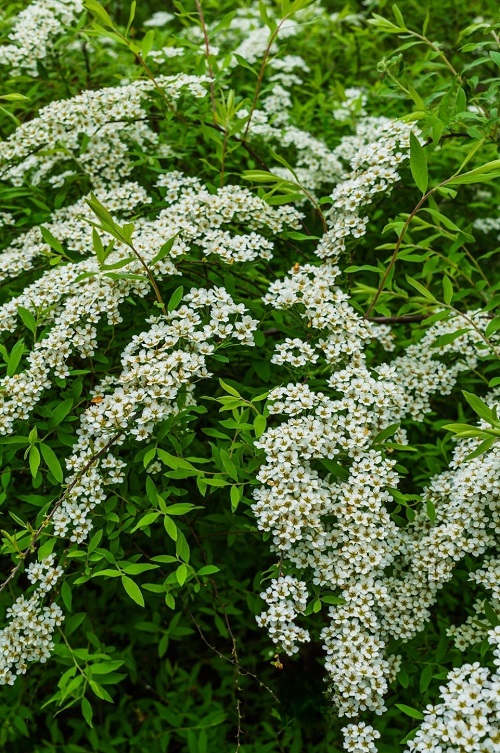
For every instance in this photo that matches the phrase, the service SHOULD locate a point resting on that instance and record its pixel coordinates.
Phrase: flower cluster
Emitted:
(35, 31)
(286, 597)
(359, 738)
(335, 521)
(353, 104)
(156, 365)
(107, 121)
(373, 172)
(67, 226)
(468, 716)
(28, 635)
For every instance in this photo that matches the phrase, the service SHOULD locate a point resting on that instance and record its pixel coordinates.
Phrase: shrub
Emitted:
(249, 342)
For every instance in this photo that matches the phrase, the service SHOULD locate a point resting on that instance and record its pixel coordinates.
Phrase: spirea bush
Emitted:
(249, 387)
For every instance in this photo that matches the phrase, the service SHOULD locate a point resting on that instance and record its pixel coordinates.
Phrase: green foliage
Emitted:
(159, 649)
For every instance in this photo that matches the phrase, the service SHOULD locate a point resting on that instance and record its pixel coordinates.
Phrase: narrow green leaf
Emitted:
(228, 464)
(98, 11)
(259, 425)
(492, 327)
(447, 289)
(34, 460)
(479, 407)
(421, 289)
(414, 713)
(133, 590)
(86, 711)
(170, 528)
(164, 250)
(27, 318)
(51, 240)
(52, 462)
(15, 357)
(147, 44)
(235, 496)
(208, 570)
(228, 388)
(431, 510)
(418, 163)
(146, 520)
(175, 298)
(483, 174)
(484, 446)
(181, 573)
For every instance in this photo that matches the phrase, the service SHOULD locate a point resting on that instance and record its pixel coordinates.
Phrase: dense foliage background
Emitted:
(178, 146)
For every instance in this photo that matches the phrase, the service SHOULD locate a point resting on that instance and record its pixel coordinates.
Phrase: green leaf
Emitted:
(27, 318)
(181, 508)
(235, 494)
(228, 464)
(386, 433)
(227, 388)
(170, 528)
(491, 614)
(479, 407)
(46, 548)
(175, 298)
(147, 44)
(484, 446)
(421, 289)
(131, 16)
(483, 174)
(398, 16)
(259, 425)
(492, 327)
(51, 240)
(463, 430)
(418, 163)
(164, 251)
(98, 11)
(208, 570)
(102, 668)
(450, 337)
(414, 713)
(34, 460)
(333, 600)
(431, 510)
(100, 692)
(146, 520)
(14, 97)
(52, 462)
(132, 568)
(447, 290)
(133, 590)
(15, 357)
(86, 711)
(66, 595)
(181, 573)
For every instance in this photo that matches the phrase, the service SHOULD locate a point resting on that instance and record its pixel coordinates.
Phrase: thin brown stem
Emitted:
(396, 251)
(207, 55)
(151, 279)
(261, 74)
(48, 518)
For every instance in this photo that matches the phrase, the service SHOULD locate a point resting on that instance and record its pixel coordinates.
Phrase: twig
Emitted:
(58, 504)
(207, 55)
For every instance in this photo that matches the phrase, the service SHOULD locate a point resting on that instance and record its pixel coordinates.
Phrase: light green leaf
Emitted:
(52, 462)
(133, 590)
(418, 163)
(414, 713)
(447, 289)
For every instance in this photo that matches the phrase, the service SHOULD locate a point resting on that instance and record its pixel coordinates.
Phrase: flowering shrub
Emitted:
(250, 470)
